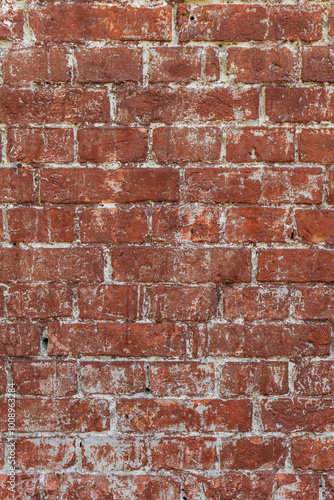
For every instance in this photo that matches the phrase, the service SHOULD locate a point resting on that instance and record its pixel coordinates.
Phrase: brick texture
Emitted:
(166, 249)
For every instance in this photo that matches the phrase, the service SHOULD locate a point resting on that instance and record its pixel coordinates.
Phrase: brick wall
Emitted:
(166, 258)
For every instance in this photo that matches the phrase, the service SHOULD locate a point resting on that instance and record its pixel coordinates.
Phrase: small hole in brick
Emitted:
(147, 389)
(192, 18)
(19, 165)
(126, 415)
(14, 244)
(292, 234)
(45, 344)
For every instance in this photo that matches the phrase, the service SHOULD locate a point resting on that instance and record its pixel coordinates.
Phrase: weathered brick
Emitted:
(185, 144)
(247, 378)
(119, 224)
(262, 340)
(44, 225)
(301, 486)
(315, 226)
(257, 65)
(19, 339)
(330, 197)
(314, 302)
(316, 146)
(293, 265)
(105, 453)
(39, 301)
(298, 414)
(183, 64)
(152, 415)
(137, 340)
(108, 64)
(11, 22)
(309, 452)
(36, 145)
(251, 144)
(317, 64)
(185, 265)
(42, 453)
(98, 145)
(253, 453)
(255, 185)
(163, 104)
(45, 378)
(51, 264)
(96, 185)
(53, 105)
(26, 487)
(182, 378)
(113, 302)
(2, 301)
(112, 377)
(255, 303)
(139, 487)
(3, 379)
(16, 185)
(67, 414)
(176, 224)
(184, 453)
(256, 224)
(81, 22)
(295, 23)
(36, 64)
(183, 303)
(314, 378)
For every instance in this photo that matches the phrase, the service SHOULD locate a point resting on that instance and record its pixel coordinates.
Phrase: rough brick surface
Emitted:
(166, 249)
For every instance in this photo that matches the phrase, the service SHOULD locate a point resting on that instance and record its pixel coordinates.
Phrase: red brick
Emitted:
(183, 64)
(175, 224)
(331, 24)
(3, 378)
(329, 484)
(11, 22)
(45, 378)
(26, 487)
(194, 265)
(39, 301)
(251, 144)
(36, 64)
(98, 145)
(67, 414)
(51, 264)
(113, 302)
(53, 105)
(182, 378)
(45, 225)
(316, 146)
(295, 23)
(314, 302)
(16, 185)
(262, 340)
(257, 65)
(310, 452)
(317, 64)
(293, 265)
(163, 104)
(19, 339)
(185, 144)
(108, 64)
(222, 22)
(251, 185)
(256, 224)
(314, 378)
(315, 226)
(29, 145)
(298, 414)
(169, 415)
(113, 224)
(96, 185)
(42, 453)
(249, 378)
(255, 302)
(1, 229)
(299, 104)
(330, 198)
(2, 301)
(112, 377)
(2, 456)
(291, 486)
(253, 453)
(183, 303)
(137, 340)
(105, 453)
(184, 453)
(232, 485)
(136, 487)
(81, 22)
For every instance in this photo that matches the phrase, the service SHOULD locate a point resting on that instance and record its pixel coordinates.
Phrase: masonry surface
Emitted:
(166, 249)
